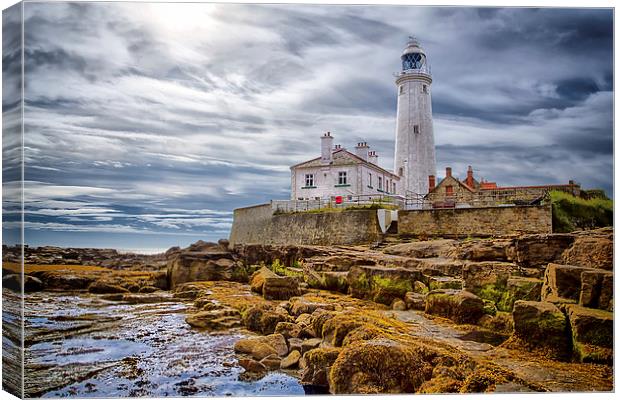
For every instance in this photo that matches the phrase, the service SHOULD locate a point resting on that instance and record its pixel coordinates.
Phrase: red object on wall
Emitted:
(338, 199)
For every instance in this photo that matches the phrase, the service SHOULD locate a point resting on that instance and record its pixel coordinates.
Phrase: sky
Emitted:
(147, 124)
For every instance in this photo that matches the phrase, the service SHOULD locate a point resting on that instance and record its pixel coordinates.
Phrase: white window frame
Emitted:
(309, 180)
(342, 177)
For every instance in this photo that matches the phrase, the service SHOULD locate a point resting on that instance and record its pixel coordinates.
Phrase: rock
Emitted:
(592, 252)
(423, 249)
(520, 288)
(278, 342)
(280, 287)
(223, 243)
(327, 280)
(218, 319)
(381, 284)
(205, 262)
(147, 289)
(310, 344)
(319, 318)
(288, 329)
(501, 322)
(399, 305)
(444, 282)
(489, 307)
(377, 366)
(159, 280)
(362, 333)
(258, 279)
(252, 366)
(484, 250)
(257, 348)
(104, 287)
(336, 329)
(291, 360)
(597, 289)
(294, 344)
(415, 301)
(64, 280)
(541, 325)
(271, 362)
(562, 283)
(459, 305)
(14, 282)
(316, 364)
(592, 333)
(539, 250)
(264, 318)
(442, 267)
(488, 279)
(302, 306)
(149, 298)
(420, 287)
(190, 291)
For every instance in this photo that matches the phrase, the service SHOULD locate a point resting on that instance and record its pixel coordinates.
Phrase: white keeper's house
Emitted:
(338, 172)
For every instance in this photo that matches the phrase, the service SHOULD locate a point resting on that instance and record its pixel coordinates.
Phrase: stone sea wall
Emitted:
(258, 225)
(486, 221)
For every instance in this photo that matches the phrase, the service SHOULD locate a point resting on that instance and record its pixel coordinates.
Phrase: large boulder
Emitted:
(381, 284)
(415, 301)
(14, 282)
(488, 279)
(105, 287)
(539, 250)
(261, 347)
(257, 281)
(520, 288)
(423, 249)
(264, 318)
(377, 366)
(541, 325)
(316, 364)
(597, 289)
(335, 329)
(303, 306)
(215, 320)
(593, 252)
(484, 250)
(592, 332)
(280, 287)
(64, 280)
(328, 280)
(211, 263)
(460, 306)
(562, 283)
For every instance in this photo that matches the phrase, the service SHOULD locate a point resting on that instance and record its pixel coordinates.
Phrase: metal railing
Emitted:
(351, 201)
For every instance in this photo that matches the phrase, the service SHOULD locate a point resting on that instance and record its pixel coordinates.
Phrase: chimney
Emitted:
(327, 141)
(373, 157)
(361, 150)
(431, 183)
(470, 177)
(448, 172)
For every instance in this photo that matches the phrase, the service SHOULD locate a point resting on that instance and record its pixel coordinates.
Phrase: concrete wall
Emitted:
(257, 225)
(487, 221)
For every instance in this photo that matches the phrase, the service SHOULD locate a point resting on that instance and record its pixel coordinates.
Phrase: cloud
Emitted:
(155, 117)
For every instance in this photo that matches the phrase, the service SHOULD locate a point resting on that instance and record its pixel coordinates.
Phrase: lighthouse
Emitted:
(414, 154)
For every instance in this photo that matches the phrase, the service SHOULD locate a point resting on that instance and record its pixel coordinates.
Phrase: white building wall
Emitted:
(414, 152)
(326, 182)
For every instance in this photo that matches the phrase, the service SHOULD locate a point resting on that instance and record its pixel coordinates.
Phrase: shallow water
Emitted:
(80, 345)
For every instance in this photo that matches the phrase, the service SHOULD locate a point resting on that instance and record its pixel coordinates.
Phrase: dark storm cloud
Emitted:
(147, 119)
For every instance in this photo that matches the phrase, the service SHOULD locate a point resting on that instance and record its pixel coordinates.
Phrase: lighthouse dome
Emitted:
(413, 57)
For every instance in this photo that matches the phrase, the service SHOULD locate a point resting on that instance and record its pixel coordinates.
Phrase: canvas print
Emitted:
(204, 199)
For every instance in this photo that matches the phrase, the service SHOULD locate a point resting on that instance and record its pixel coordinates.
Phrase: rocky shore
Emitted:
(529, 313)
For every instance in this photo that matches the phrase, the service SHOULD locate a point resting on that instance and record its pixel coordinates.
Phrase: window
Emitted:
(424, 89)
(342, 177)
(401, 89)
(380, 184)
(369, 180)
(449, 191)
(400, 171)
(416, 129)
(393, 187)
(309, 180)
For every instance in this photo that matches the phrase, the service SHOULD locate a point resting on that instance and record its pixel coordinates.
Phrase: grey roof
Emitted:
(342, 157)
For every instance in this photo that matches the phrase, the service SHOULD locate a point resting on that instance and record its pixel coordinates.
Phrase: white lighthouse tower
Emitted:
(414, 157)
